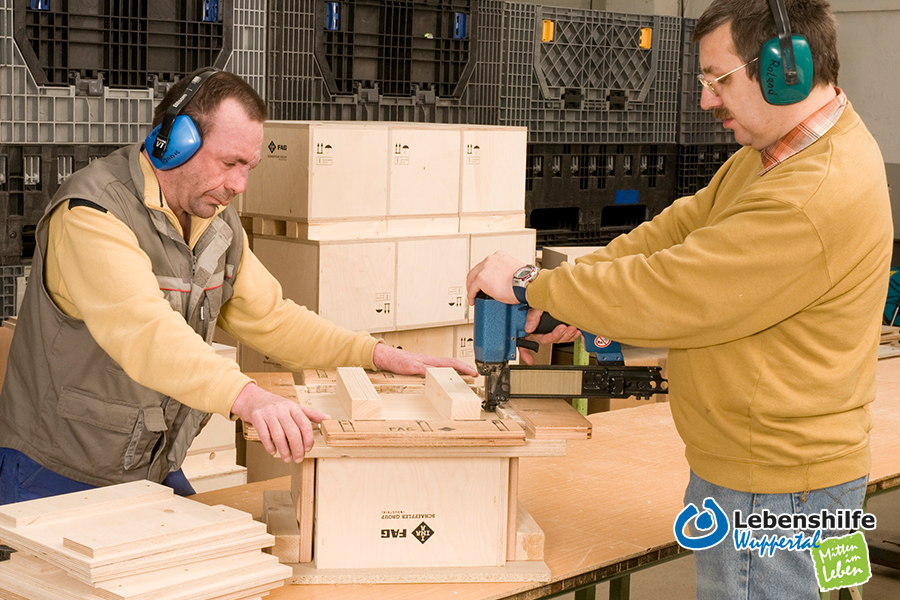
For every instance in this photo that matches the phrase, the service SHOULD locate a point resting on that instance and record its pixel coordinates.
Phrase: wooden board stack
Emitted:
(134, 541)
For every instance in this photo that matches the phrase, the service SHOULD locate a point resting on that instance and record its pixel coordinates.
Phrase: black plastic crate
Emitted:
(434, 61)
(596, 79)
(586, 235)
(30, 174)
(5, 551)
(592, 187)
(695, 125)
(697, 163)
(122, 43)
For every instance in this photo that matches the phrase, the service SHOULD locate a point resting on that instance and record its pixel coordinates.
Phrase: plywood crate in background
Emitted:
(373, 285)
(423, 185)
(492, 178)
(323, 180)
(519, 243)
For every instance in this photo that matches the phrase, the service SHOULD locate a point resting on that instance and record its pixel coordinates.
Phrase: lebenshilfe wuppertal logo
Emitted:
(839, 562)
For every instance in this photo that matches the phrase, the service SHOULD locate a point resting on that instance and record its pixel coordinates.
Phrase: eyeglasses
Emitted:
(709, 84)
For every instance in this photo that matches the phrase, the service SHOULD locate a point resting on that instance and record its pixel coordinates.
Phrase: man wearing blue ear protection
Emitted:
(767, 286)
(139, 257)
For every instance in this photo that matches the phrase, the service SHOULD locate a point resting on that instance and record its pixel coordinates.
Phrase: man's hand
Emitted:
(282, 424)
(560, 335)
(494, 277)
(388, 358)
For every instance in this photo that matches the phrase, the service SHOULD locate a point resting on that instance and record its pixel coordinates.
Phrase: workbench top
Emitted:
(606, 507)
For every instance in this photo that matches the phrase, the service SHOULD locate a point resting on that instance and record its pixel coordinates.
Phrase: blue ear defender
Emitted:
(775, 86)
(785, 62)
(184, 141)
(174, 141)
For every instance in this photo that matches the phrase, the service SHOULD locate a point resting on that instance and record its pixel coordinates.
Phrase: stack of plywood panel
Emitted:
(134, 541)
(375, 225)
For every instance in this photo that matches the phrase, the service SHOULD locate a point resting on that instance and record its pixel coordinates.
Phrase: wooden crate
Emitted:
(390, 511)
(374, 285)
(408, 512)
(351, 283)
(332, 178)
(464, 343)
(492, 178)
(518, 243)
(423, 185)
(431, 281)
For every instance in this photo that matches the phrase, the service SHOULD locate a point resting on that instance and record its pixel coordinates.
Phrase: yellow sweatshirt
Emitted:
(96, 271)
(768, 291)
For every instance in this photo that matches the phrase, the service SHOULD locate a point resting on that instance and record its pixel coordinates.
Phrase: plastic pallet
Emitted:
(573, 186)
(387, 61)
(126, 42)
(584, 236)
(698, 163)
(30, 175)
(592, 83)
(696, 126)
(33, 112)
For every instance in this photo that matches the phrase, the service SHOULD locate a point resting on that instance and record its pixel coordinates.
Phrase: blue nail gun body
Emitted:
(500, 330)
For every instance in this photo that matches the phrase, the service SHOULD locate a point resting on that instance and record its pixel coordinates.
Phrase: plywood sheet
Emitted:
(550, 418)
(401, 433)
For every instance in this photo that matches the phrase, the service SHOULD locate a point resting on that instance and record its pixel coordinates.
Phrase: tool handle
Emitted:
(547, 323)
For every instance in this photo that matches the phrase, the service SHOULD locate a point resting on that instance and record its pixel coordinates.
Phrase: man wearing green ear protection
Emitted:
(767, 286)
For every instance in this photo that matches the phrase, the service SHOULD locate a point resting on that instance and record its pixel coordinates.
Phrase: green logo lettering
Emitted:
(842, 562)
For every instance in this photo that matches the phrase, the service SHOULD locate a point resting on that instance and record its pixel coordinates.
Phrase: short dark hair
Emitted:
(218, 87)
(752, 23)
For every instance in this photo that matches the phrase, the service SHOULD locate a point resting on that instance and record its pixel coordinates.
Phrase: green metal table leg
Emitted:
(588, 593)
(620, 588)
(580, 357)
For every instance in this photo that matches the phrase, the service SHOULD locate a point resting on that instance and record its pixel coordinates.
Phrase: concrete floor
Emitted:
(674, 580)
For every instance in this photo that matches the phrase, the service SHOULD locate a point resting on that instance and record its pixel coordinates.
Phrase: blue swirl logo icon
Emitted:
(712, 523)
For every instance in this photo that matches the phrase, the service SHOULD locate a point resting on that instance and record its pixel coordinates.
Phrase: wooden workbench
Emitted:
(606, 508)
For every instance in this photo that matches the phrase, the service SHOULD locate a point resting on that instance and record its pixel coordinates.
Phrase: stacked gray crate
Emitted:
(48, 130)
(616, 92)
(34, 114)
(298, 88)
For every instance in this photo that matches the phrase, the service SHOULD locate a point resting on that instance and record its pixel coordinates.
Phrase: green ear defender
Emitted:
(785, 63)
(775, 79)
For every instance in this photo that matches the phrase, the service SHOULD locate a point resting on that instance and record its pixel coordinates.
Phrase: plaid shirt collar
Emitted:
(804, 134)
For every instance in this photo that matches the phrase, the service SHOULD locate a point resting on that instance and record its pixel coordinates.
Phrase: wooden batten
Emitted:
(280, 516)
(303, 497)
(512, 506)
(451, 396)
(529, 536)
(357, 395)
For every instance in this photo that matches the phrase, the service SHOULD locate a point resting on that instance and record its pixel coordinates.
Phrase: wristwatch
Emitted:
(521, 279)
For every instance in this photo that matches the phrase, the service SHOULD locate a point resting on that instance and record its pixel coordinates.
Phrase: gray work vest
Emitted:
(65, 402)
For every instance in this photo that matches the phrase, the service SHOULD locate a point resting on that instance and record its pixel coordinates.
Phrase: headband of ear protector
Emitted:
(176, 139)
(785, 63)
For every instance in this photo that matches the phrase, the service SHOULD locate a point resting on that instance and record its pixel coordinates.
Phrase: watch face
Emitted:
(523, 272)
